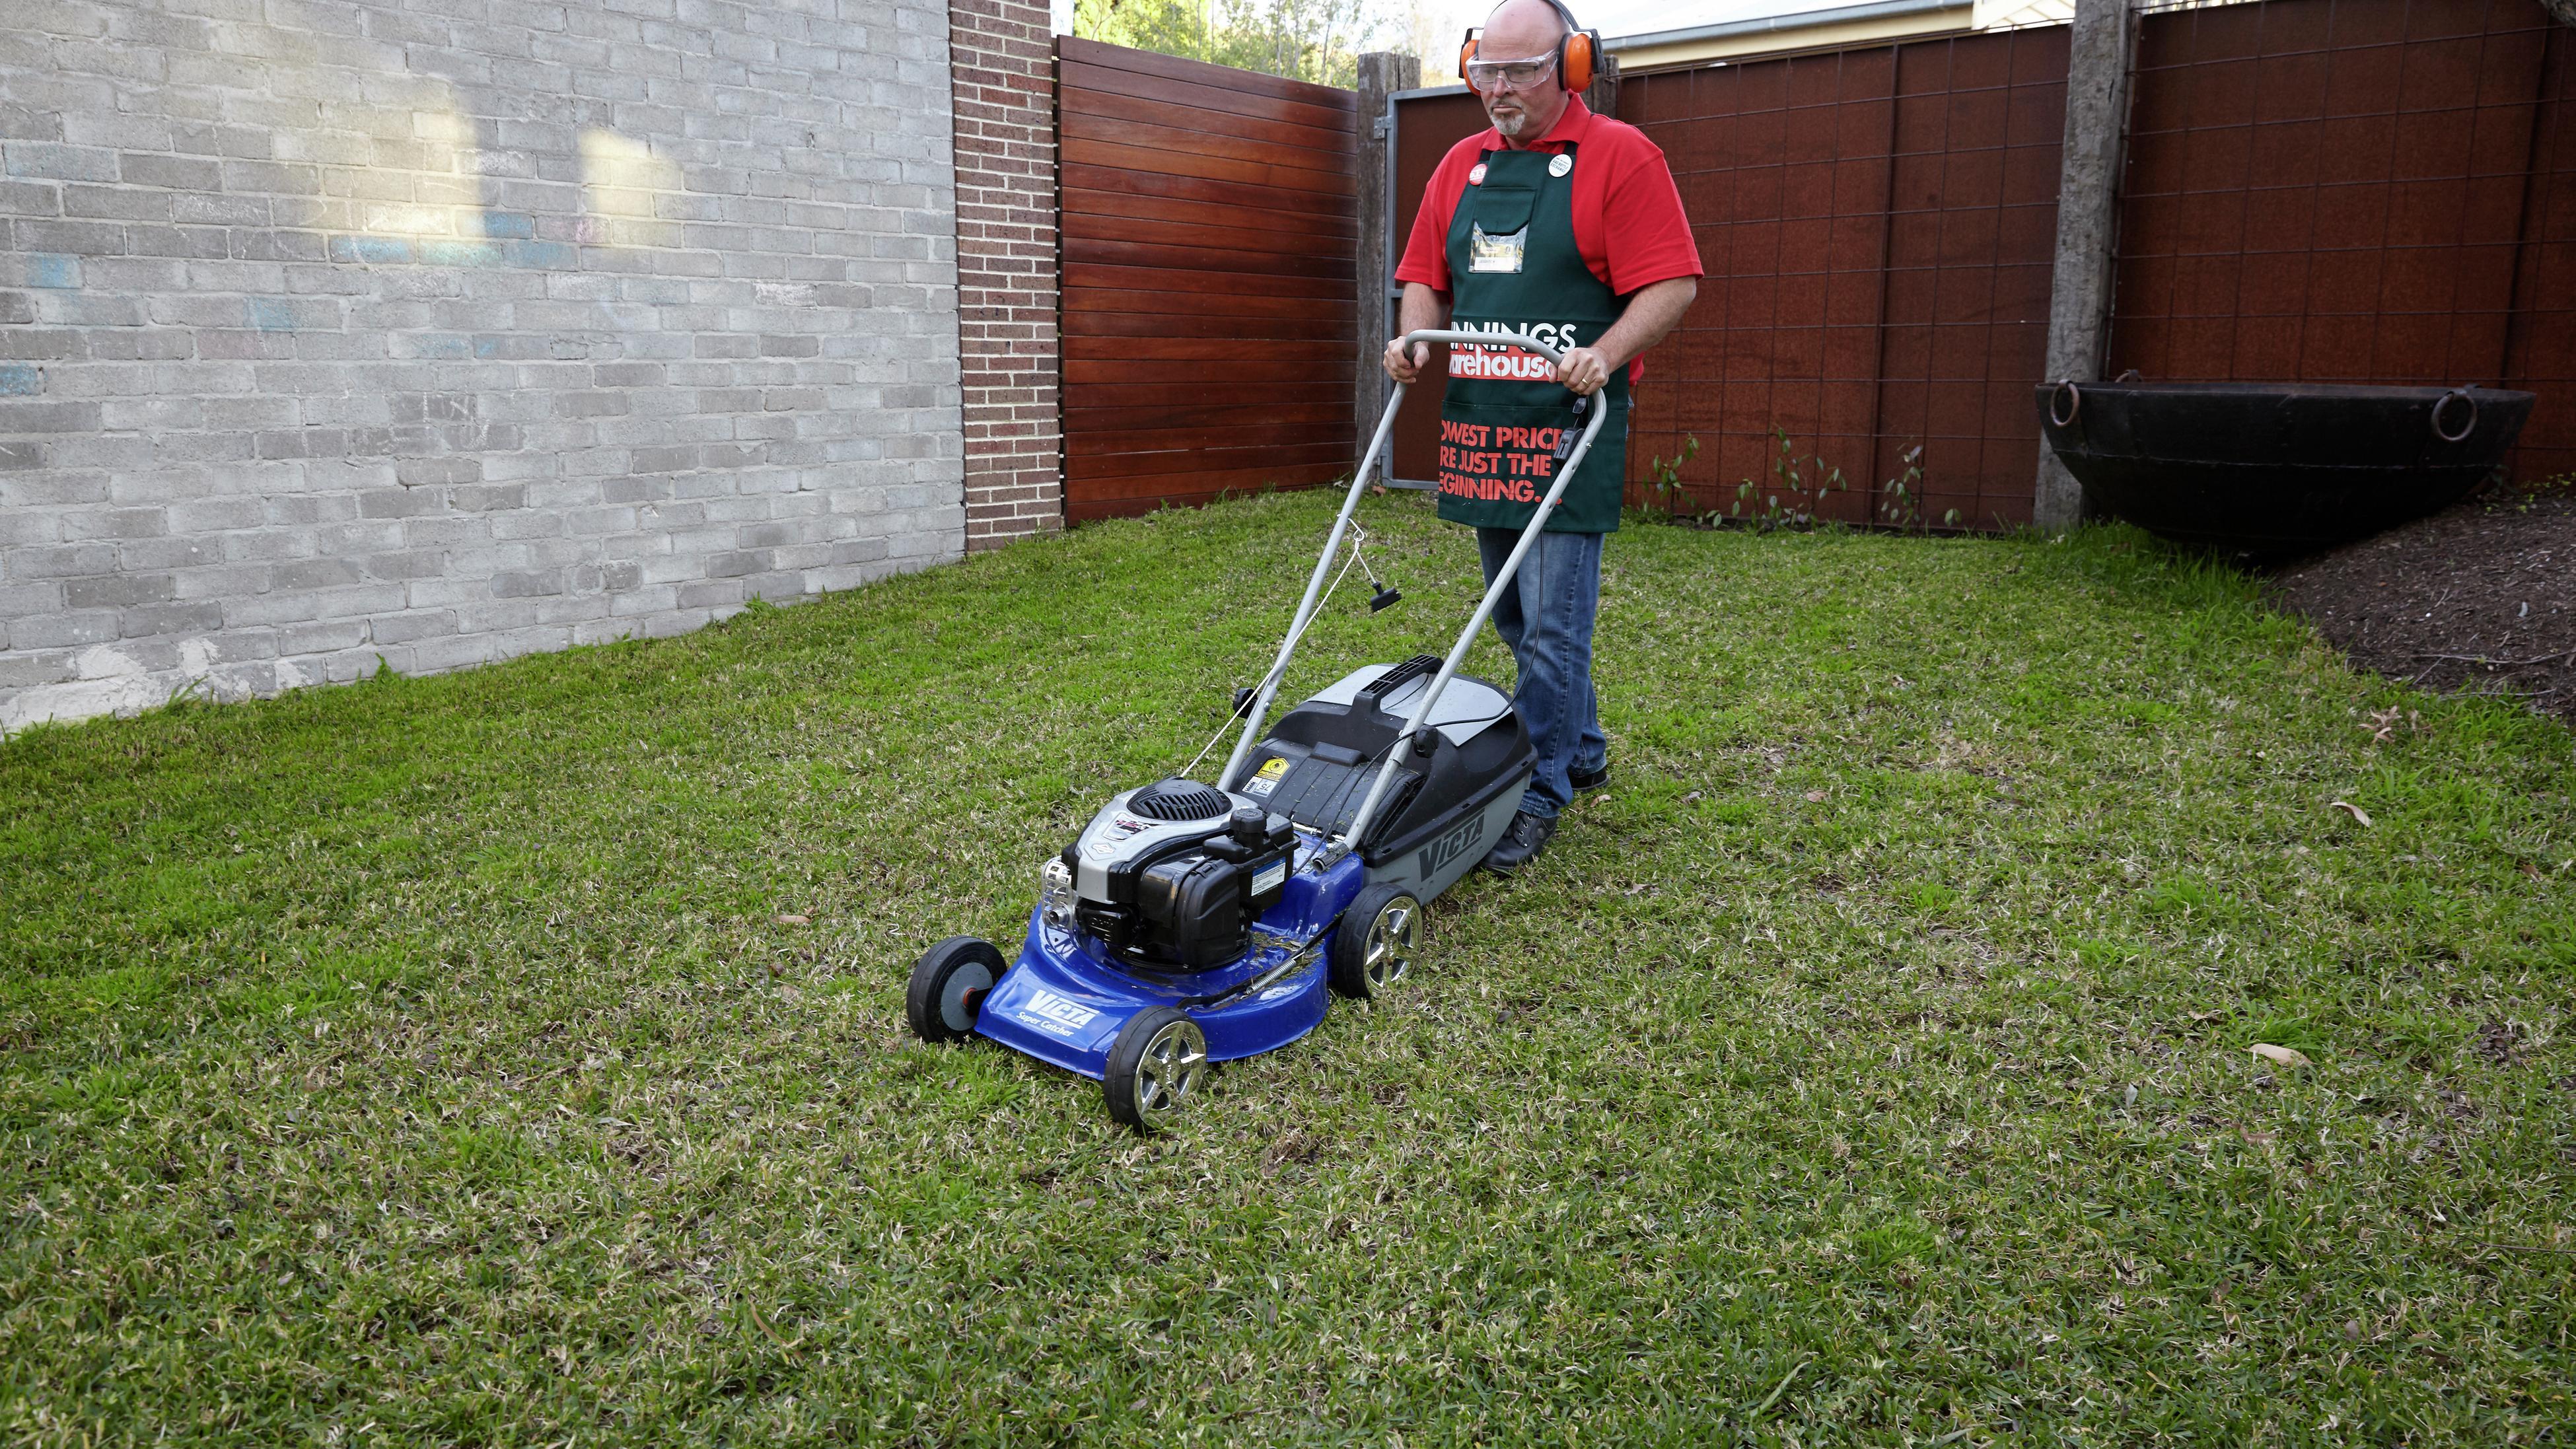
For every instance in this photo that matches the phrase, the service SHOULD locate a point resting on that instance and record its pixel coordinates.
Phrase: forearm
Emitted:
(1422, 308)
(1650, 314)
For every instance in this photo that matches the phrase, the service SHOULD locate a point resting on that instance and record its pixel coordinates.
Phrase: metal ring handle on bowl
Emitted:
(2445, 434)
(2074, 397)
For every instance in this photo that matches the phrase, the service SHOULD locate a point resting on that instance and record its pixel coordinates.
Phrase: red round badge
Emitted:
(1477, 176)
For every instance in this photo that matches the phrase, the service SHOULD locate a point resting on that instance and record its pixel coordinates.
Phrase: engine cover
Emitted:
(1178, 893)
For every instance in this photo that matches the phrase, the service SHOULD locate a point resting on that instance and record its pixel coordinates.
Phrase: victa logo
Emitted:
(1452, 845)
(1052, 1013)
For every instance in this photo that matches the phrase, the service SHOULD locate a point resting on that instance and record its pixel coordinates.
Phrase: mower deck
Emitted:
(1064, 1005)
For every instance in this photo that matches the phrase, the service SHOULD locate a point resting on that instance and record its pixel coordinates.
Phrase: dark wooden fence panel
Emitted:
(1208, 236)
(2540, 350)
(1878, 227)
(1784, 169)
(2343, 191)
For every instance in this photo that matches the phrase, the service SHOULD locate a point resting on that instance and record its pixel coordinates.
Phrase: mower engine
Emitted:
(1172, 875)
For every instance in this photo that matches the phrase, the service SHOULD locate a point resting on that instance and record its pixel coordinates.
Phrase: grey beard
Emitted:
(1510, 126)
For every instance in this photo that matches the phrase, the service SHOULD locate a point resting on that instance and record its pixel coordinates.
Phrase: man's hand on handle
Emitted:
(1584, 370)
(1401, 367)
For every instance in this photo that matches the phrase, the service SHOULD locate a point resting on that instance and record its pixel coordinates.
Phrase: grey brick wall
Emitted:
(438, 331)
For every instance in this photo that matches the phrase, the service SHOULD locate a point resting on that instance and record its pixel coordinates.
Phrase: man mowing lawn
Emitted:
(1565, 225)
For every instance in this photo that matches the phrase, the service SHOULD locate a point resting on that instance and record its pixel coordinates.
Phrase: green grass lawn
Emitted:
(444, 1061)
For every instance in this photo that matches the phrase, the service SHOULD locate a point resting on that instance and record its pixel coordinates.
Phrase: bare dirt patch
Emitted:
(2479, 597)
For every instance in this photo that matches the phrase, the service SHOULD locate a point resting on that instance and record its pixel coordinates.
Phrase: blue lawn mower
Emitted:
(1191, 924)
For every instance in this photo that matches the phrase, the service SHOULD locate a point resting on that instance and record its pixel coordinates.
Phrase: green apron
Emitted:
(1513, 267)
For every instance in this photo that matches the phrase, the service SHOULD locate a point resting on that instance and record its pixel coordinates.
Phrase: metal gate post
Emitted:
(1381, 73)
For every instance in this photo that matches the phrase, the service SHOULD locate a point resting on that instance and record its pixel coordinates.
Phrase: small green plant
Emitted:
(1789, 480)
(1664, 477)
(1901, 497)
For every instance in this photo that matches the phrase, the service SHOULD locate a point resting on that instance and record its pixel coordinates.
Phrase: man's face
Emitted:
(1522, 32)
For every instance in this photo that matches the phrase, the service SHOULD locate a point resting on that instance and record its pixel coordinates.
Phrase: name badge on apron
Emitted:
(1495, 253)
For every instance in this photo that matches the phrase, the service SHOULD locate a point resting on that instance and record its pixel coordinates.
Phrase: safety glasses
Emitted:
(1518, 75)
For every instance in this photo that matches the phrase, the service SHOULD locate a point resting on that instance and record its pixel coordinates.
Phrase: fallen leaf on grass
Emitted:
(2258, 1139)
(1686, 799)
(2359, 815)
(1815, 797)
(2286, 1056)
(791, 920)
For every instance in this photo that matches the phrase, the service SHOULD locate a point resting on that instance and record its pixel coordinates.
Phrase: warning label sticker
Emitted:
(1266, 779)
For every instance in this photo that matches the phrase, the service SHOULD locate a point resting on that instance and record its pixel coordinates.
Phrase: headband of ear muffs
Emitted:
(1576, 53)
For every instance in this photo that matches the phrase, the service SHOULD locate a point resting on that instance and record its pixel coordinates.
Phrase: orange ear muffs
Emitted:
(1577, 55)
(1466, 53)
(1575, 65)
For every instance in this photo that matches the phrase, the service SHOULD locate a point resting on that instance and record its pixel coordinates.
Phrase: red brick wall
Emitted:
(1001, 69)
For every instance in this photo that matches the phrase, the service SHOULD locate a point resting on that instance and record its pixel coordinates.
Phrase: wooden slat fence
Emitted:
(1208, 234)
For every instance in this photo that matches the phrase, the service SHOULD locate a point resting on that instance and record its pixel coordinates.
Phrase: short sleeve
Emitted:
(1649, 239)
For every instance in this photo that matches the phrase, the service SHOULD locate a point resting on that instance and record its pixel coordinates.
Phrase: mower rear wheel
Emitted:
(1157, 1067)
(949, 984)
(1374, 943)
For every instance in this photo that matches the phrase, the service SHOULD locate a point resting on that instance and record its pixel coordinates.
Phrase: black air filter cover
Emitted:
(1180, 800)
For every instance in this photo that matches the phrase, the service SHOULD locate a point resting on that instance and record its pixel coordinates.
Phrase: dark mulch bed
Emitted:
(2480, 597)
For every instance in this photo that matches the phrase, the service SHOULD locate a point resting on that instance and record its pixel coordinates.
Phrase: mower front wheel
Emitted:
(1157, 1066)
(1374, 943)
(949, 984)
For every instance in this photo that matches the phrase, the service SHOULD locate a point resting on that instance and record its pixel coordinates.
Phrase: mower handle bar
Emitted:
(1260, 707)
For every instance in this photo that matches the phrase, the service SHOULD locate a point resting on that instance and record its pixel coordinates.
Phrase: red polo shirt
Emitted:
(1628, 222)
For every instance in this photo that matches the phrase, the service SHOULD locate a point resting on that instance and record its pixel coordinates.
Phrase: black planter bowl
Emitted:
(2276, 469)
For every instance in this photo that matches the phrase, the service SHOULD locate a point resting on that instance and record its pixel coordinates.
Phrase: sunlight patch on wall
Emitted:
(623, 182)
(428, 189)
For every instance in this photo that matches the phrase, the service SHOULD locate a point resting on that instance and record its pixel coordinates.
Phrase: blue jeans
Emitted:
(1547, 618)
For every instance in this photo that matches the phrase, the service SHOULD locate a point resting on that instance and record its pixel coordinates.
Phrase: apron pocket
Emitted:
(1502, 209)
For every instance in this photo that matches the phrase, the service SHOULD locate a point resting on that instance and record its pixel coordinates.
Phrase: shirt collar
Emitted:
(1567, 130)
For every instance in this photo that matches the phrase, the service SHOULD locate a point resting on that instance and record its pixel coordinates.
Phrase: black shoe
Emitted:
(1590, 779)
(1522, 840)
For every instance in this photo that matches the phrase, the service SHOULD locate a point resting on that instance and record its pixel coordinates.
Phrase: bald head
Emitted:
(1522, 27)
(1523, 30)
